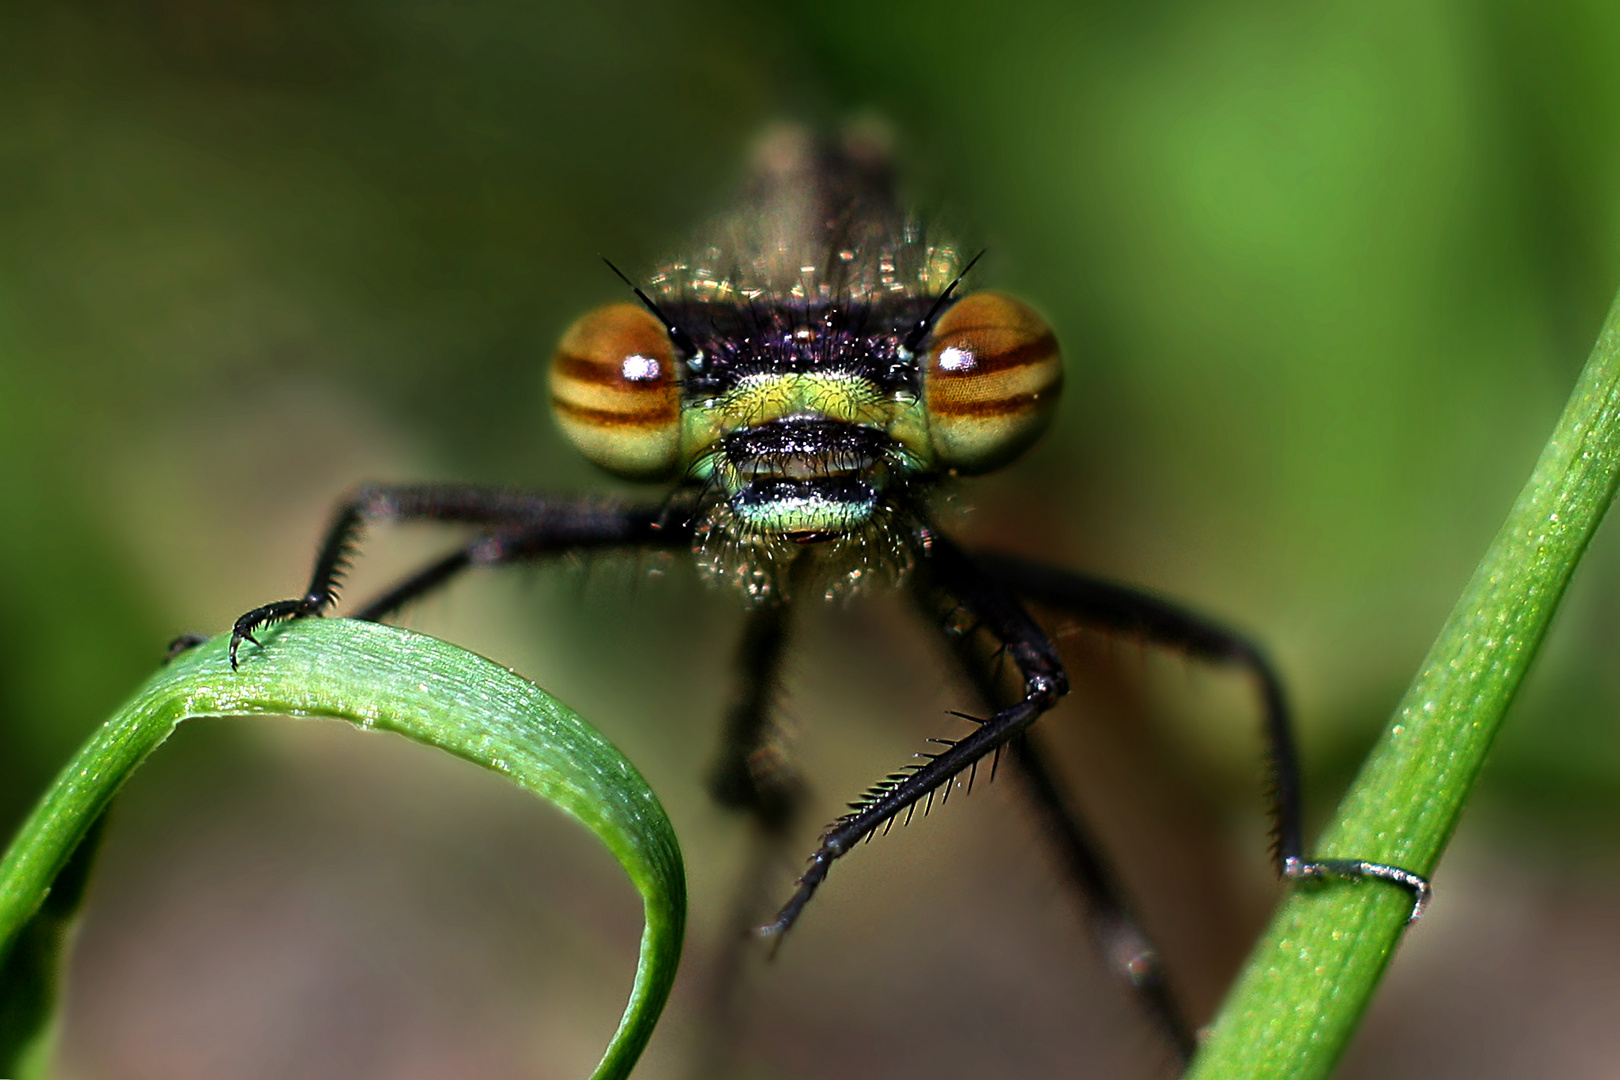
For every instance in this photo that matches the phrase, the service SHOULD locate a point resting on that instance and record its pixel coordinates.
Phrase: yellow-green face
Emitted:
(805, 422)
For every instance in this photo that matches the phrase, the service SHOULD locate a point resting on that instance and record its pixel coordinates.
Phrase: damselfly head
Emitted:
(809, 373)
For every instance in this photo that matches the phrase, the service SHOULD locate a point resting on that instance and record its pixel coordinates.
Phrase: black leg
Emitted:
(750, 772)
(526, 526)
(1118, 937)
(1124, 610)
(1132, 613)
(945, 567)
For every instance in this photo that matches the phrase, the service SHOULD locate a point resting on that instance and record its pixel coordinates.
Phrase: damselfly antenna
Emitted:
(677, 336)
(926, 323)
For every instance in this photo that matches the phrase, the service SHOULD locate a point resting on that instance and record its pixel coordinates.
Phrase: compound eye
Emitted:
(615, 392)
(994, 372)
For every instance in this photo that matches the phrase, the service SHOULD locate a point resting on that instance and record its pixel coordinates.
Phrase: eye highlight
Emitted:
(992, 381)
(615, 392)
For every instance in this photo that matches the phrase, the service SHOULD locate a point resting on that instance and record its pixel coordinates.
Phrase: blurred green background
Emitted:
(1324, 273)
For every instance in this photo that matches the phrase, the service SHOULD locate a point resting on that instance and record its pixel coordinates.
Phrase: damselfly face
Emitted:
(808, 374)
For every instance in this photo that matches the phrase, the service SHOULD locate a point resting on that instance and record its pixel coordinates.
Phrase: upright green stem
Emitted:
(1312, 974)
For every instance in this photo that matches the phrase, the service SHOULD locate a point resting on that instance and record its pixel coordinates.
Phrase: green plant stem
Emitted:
(376, 677)
(1313, 972)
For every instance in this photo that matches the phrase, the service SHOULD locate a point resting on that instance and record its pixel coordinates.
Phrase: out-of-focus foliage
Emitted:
(1324, 274)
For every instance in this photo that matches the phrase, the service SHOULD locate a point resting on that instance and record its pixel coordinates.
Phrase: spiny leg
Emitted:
(751, 774)
(1119, 939)
(527, 525)
(945, 567)
(1124, 610)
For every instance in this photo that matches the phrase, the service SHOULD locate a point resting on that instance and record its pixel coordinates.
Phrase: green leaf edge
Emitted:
(376, 677)
(1312, 974)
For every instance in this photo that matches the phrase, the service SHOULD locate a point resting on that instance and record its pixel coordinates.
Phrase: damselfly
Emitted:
(803, 384)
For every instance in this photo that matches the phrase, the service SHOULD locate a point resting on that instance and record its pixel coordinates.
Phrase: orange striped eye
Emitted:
(615, 392)
(994, 372)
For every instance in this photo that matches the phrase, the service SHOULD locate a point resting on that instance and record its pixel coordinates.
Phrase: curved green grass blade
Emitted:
(1312, 974)
(376, 677)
